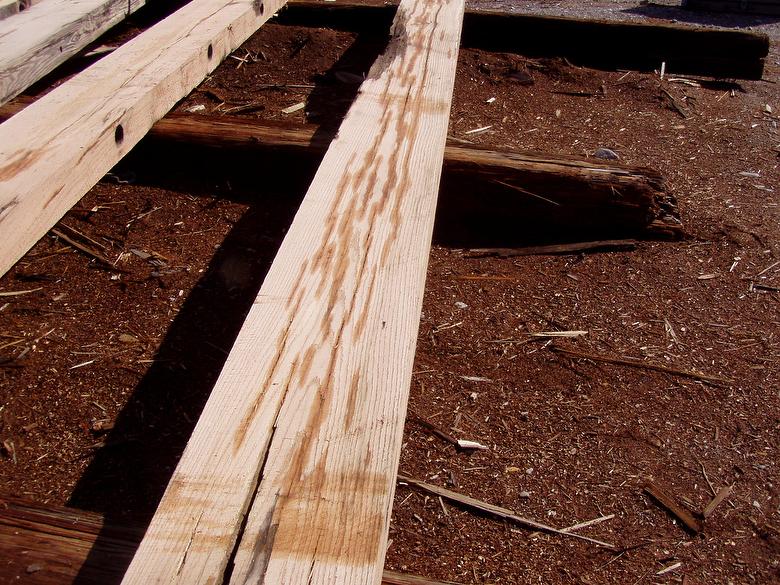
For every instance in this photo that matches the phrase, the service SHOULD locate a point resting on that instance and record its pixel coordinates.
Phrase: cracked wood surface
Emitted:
(47, 34)
(303, 429)
(55, 150)
(70, 546)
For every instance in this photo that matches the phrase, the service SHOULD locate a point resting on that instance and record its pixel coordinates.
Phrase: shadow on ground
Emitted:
(723, 19)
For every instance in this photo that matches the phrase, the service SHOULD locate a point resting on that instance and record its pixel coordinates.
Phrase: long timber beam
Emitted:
(290, 472)
(488, 197)
(55, 150)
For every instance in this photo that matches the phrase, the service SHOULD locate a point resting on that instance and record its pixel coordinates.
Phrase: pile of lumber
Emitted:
(290, 472)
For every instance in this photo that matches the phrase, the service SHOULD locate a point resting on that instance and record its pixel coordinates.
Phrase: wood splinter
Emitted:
(670, 505)
(723, 494)
(634, 363)
(497, 511)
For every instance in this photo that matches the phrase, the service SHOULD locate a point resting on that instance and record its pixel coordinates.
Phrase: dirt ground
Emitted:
(106, 364)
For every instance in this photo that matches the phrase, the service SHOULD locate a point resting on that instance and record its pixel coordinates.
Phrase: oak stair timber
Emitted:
(48, 33)
(290, 472)
(605, 44)
(55, 150)
(42, 544)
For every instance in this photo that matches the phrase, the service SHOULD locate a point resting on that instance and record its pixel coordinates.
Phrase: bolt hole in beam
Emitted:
(119, 134)
(210, 51)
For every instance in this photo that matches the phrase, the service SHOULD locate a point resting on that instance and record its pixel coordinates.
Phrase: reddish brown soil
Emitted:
(138, 345)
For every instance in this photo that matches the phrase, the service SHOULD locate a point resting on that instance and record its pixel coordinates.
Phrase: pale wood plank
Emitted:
(58, 148)
(312, 398)
(48, 34)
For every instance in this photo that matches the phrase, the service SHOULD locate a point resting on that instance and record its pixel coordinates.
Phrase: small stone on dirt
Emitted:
(606, 154)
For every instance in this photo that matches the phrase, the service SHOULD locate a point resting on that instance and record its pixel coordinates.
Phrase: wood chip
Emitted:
(478, 130)
(723, 493)
(588, 523)
(669, 569)
(559, 334)
(294, 108)
(464, 444)
(670, 505)
(476, 379)
(635, 363)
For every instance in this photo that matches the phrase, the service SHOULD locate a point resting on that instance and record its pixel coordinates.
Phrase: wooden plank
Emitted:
(58, 148)
(304, 425)
(42, 544)
(48, 34)
(694, 50)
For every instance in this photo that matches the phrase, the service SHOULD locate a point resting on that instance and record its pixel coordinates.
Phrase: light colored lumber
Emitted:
(304, 425)
(58, 148)
(48, 33)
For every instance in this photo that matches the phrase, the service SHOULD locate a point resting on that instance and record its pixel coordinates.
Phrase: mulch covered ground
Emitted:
(105, 364)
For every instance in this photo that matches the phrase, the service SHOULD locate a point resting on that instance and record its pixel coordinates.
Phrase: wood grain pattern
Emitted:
(42, 544)
(58, 148)
(48, 34)
(308, 411)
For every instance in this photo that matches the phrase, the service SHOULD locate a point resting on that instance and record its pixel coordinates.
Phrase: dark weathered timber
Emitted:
(51, 545)
(593, 43)
(487, 197)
